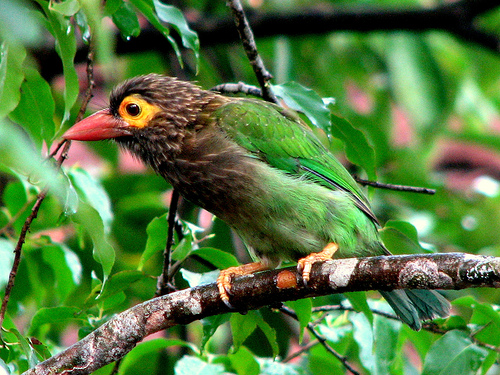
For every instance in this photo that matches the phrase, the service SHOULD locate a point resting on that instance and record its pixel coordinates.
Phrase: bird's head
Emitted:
(146, 114)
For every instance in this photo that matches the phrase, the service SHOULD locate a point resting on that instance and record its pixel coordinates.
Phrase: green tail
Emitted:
(413, 306)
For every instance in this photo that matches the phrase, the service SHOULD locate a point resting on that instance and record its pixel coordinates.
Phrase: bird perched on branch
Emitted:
(259, 168)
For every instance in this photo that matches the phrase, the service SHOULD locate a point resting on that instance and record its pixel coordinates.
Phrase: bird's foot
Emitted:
(304, 265)
(225, 277)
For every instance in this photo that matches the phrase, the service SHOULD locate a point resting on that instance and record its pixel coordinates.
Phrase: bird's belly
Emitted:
(280, 216)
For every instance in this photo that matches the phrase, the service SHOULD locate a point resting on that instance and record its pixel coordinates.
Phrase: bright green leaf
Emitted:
(11, 76)
(35, 112)
(66, 7)
(52, 315)
(357, 148)
(147, 9)
(210, 325)
(142, 352)
(103, 252)
(196, 279)
(118, 282)
(219, 258)
(126, 20)
(55, 256)
(92, 192)
(401, 237)
(242, 326)
(359, 303)
(304, 100)
(174, 17)
(243, 361)
(62, 29)
(453, 353)
(157, 237)
(303, 309)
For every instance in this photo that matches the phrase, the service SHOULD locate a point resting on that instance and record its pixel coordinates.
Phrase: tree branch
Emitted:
(119, 335)
(248, 41)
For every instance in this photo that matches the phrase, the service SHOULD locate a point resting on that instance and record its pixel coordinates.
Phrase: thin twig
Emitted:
(163, 285)
(411, 189)
(247, 38)
(16, 216)
(322, 340)
(302, 350)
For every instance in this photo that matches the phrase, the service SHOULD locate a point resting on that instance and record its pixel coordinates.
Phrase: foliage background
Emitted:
(426, 106)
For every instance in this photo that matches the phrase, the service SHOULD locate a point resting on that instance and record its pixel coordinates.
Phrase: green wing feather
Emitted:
(280, 138)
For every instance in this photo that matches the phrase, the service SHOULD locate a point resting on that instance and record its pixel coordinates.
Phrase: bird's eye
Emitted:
(133, 109)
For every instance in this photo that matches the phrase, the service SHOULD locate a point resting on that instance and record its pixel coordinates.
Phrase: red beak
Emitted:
(100, 125)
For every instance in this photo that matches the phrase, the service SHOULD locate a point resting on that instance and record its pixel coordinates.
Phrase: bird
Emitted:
(259, 168)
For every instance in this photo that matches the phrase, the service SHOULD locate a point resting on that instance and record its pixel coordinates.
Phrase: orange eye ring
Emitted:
(136, 111)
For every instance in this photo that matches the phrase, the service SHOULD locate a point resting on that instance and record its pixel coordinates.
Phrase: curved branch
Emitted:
(118, 336)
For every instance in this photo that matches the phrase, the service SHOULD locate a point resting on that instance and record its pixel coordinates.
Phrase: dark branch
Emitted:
(321, 340)
(248, 41)
(238, 88)
(164, 286)
(118, 336)
(411, 189)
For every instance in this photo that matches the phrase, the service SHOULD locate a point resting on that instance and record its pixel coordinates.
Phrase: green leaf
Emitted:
(62, 29)
(359, 303)
(242, 326)
(243, 361)
(134, 361)
(66, 7)
(304, 100)
(126, 20)
(103, 252)
(35, 112)
(363, 335)
(269, 332)
(401, 237)
(357, 148)
(60, 314)
(453, 353)
(11, 76)
(148, 9)
(183, 249)
(303, 309)
(189, 365)
(66, 267)
(157, 231)
(386, 335)
(210, 325)
(17, 155)
(92, 192)
(219, 258)
(196, 279)
(173, 16)
(118, 282)
(416, 79)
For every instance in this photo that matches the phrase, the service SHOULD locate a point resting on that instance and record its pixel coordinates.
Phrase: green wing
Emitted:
(281, 139)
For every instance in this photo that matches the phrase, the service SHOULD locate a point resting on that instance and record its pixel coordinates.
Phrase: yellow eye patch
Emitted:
(136, 111)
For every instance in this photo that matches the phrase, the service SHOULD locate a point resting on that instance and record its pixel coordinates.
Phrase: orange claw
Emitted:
(304, 265)
(225, 277)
